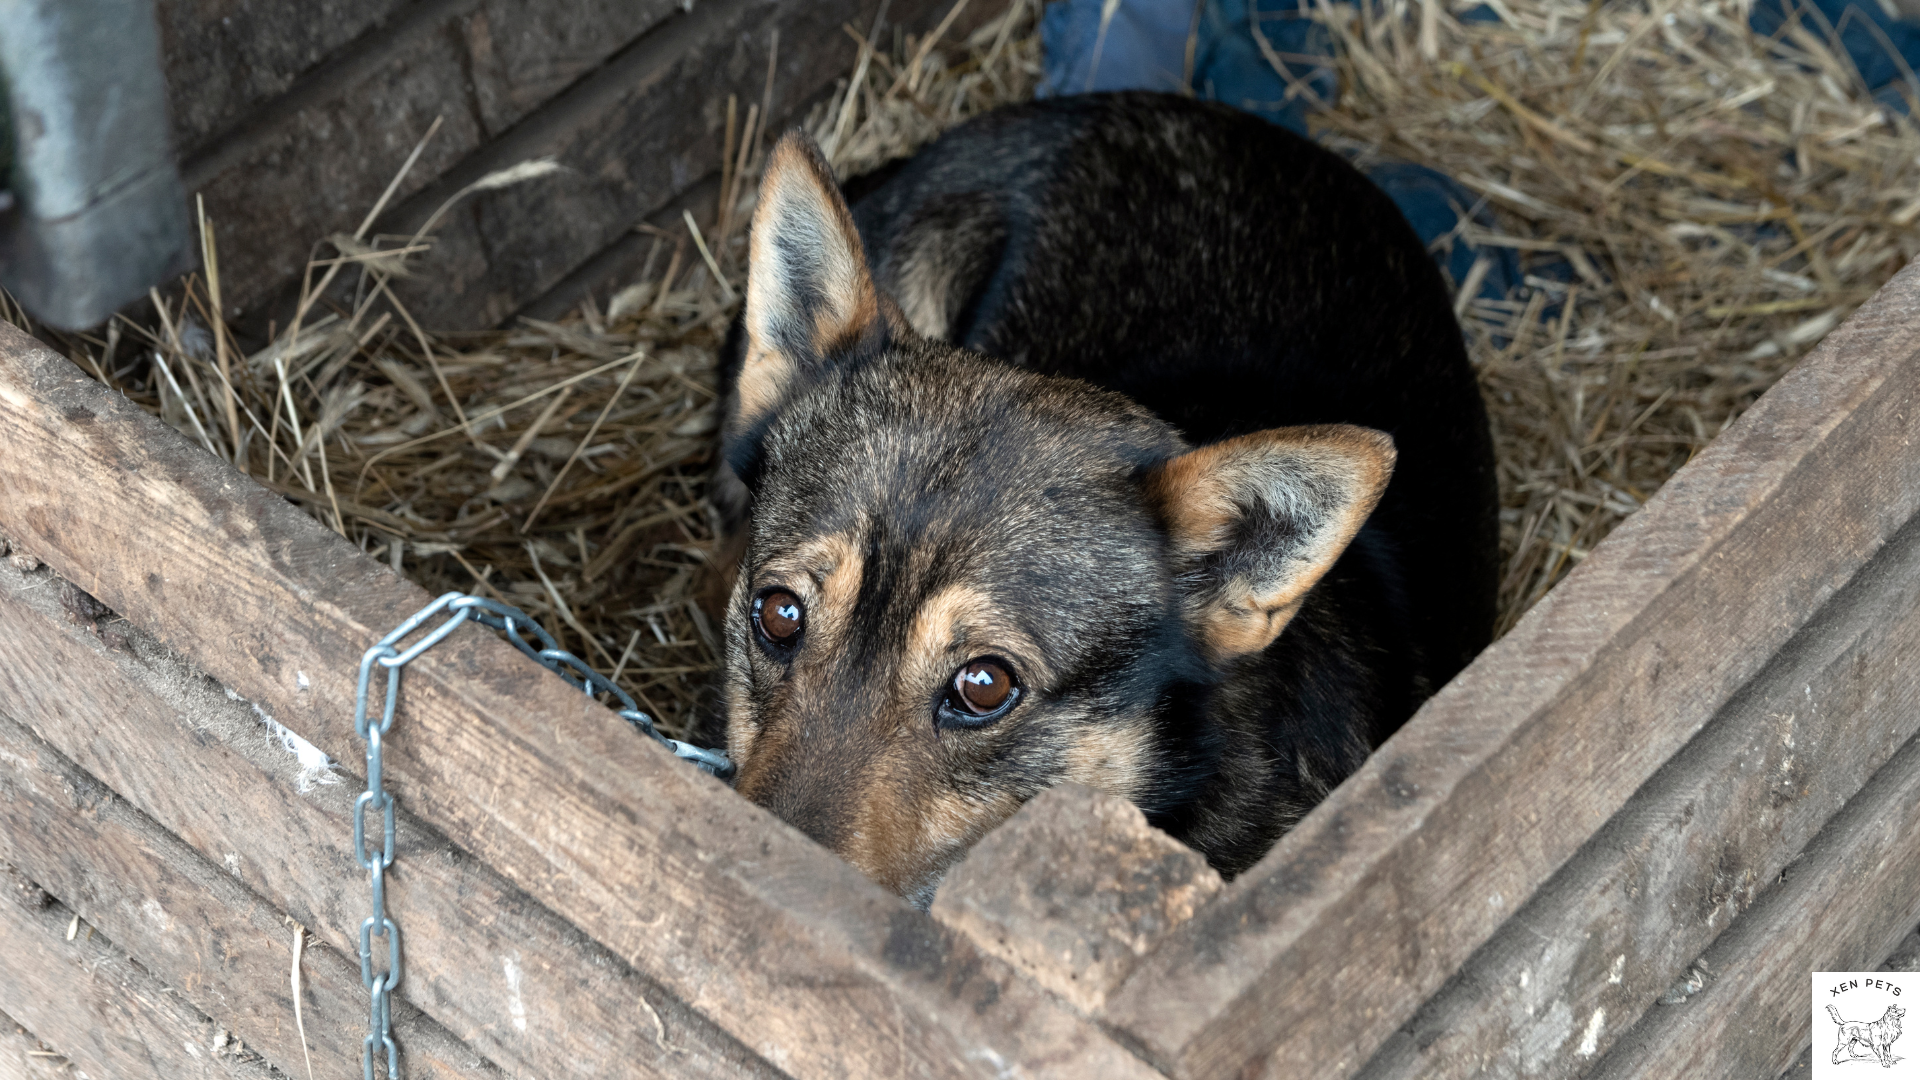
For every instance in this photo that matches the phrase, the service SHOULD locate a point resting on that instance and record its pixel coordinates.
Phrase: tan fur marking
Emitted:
(924, 285)
(738, 696)
(763, 382)
(942, 623)
(886, 845)
(855, 304)
(1204, 489)
(953, 821)
(1109, 757)
(1231, 632)
(959, 623)
(825, 573)
(1199, 503)
(909, 841)
(912, 827)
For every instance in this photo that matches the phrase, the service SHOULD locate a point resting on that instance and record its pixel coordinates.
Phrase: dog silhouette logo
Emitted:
(1860, 1040)
(1857, 1023)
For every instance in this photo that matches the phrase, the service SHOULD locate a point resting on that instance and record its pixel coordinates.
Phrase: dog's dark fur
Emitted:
(984, 446)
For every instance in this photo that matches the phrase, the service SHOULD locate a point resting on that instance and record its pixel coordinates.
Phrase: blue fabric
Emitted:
(1885, 50)
(1432, 202)
(1145, 48)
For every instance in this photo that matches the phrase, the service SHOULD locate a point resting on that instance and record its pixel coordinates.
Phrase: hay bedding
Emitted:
(1723, 200)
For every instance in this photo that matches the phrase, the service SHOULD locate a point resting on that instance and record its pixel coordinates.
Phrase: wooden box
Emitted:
(1689, 772)
(1688, 775)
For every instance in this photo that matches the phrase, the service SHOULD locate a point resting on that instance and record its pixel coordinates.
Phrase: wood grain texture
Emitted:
(1074, 889)
(1694, 848)
(1845, 905)
(292, 168)
(211, 941)
(224, 58)
(109, 1017)
(786, 947)
(630, 96)
(25, 1057)
(476, 949)
(1419, 857)
(634, 135)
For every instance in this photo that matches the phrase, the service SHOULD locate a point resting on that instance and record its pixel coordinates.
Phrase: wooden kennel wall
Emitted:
(291, 117)
(1693, 763)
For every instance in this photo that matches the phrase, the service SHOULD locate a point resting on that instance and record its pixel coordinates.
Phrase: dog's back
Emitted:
(1231, 277)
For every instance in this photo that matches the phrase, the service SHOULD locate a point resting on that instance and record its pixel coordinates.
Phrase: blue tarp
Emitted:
(1213, 48)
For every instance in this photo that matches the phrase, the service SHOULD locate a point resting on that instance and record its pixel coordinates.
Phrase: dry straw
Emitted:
(1719, 200)
(1723, 200)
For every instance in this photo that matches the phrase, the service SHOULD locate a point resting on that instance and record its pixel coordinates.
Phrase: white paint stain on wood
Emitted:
(315, 766)
(1590, 1038)
(516, 1008)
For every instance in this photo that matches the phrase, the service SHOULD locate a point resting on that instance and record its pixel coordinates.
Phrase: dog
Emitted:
(1859, 1039)
(1120, 439)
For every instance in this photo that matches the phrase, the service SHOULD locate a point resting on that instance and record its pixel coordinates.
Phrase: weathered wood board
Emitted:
(1846, 904)
(84, 997)
(25, 1057)
(292, 119)
(1625, 918)
(224, 59)
(791, 951)
(209, 940)
(477, 950)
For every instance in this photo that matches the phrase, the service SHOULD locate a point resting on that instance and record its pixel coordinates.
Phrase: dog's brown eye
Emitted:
(780, 616)
(982, 686)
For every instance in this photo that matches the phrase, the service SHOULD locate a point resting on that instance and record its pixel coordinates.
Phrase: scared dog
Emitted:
(1120, 439)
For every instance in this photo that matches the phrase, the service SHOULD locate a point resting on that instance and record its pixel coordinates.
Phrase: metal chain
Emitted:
(460, 607)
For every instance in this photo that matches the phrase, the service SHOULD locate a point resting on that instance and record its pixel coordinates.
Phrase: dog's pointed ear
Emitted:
(810, 295)
(1257, 520)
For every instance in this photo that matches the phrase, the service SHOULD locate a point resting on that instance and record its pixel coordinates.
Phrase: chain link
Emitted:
(458, 608)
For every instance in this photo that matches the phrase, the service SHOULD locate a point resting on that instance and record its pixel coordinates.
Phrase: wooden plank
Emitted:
(788, 948)
(503, 974)
(188, 924)
(1849, 900)
(1419, 857)
(110, 1017)
(621, 263)
(307, 166)
(222, 59)
(635, 135)
(1074, 889)
(314, 160)
(630, 96)
(1625, 918)
(24, 1057)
